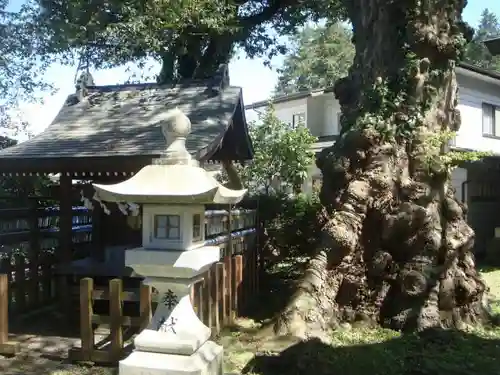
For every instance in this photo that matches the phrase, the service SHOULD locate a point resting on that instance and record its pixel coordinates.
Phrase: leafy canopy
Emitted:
(189, 37)
(283, 155)
(21, 68)
(321, 55)
(476, 52)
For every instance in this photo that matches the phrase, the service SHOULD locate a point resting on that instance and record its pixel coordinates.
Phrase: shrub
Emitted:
(290, 226)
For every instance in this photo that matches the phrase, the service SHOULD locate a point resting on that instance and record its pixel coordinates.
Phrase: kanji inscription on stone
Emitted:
(164, 326)
(169, 299)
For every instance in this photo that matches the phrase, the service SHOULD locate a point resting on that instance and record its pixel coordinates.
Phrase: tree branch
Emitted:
(266, 14)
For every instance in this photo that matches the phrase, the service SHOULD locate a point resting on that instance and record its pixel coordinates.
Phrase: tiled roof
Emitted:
(125, 120)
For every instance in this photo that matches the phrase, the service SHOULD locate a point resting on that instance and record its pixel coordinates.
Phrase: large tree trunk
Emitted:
(396, 249)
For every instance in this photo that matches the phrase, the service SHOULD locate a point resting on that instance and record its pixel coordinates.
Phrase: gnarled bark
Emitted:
(396, 249)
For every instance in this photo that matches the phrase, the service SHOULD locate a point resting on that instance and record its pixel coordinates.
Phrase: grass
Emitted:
(382, 352)
(350, 351)
(370, 351)
(492, 278)
(367, 351)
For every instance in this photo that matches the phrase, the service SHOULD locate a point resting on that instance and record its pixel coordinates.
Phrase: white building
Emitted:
(479, 104)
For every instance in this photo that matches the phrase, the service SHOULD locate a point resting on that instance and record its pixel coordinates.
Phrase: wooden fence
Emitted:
(34, 229)
(226, 288)
(28, 242)
(28, 247)
(31, 285)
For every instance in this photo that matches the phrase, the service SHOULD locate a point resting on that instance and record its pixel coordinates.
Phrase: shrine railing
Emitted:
(225, 293)
(28, 238)
(21, 228)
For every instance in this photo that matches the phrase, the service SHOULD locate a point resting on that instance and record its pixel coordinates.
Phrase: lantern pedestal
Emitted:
(176, 341)
(207, 360)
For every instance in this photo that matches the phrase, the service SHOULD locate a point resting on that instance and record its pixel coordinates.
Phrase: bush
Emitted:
(291, 229)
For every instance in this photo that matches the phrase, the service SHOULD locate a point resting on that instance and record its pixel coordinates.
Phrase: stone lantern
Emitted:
(173, 192)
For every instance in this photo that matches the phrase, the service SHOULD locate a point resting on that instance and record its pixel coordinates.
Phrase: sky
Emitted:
(257, 80)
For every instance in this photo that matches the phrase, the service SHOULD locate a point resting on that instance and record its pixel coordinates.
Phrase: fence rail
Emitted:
(28, 242)
(37, 228)
(27, 253)
(31, 282)
(217, 299)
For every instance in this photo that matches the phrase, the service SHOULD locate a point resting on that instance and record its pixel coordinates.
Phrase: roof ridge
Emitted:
(147, 85)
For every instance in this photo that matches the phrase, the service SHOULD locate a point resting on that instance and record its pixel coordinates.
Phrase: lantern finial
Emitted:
(175, 128)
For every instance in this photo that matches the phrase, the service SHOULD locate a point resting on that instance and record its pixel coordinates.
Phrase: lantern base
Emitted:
(207, 360)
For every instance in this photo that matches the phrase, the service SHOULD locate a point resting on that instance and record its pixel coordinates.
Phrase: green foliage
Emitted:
(448, 160)
(190, 38)
(476, 52)
(21, 68)
(291, 225)
(283, 155)
(321, 55)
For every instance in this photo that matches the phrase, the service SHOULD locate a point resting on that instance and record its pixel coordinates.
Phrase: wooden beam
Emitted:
(97, 250)
(65, 220)
(88, 165)
(65, 249)
(6, 347)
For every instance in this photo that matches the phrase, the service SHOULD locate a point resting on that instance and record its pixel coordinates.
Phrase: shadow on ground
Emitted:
(431, 352)
(46, 323)
(276, 286)
(44, 344)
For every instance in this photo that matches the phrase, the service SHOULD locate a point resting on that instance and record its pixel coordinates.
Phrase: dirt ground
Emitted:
(47, 355)
(44, 353)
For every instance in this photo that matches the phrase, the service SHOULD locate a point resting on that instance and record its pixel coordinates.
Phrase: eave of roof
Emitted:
(93, 137)
(306, 94)
(289, 97)
(493, 46)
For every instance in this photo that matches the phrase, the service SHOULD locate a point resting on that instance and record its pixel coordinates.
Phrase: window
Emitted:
(298, 119)
(491, 120)
(167, 227)
(196, 226)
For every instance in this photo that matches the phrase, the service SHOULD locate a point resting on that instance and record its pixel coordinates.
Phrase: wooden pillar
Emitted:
(34, 254)
(65, 220)
(97, 249)
(65, 250)
(230, 229)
